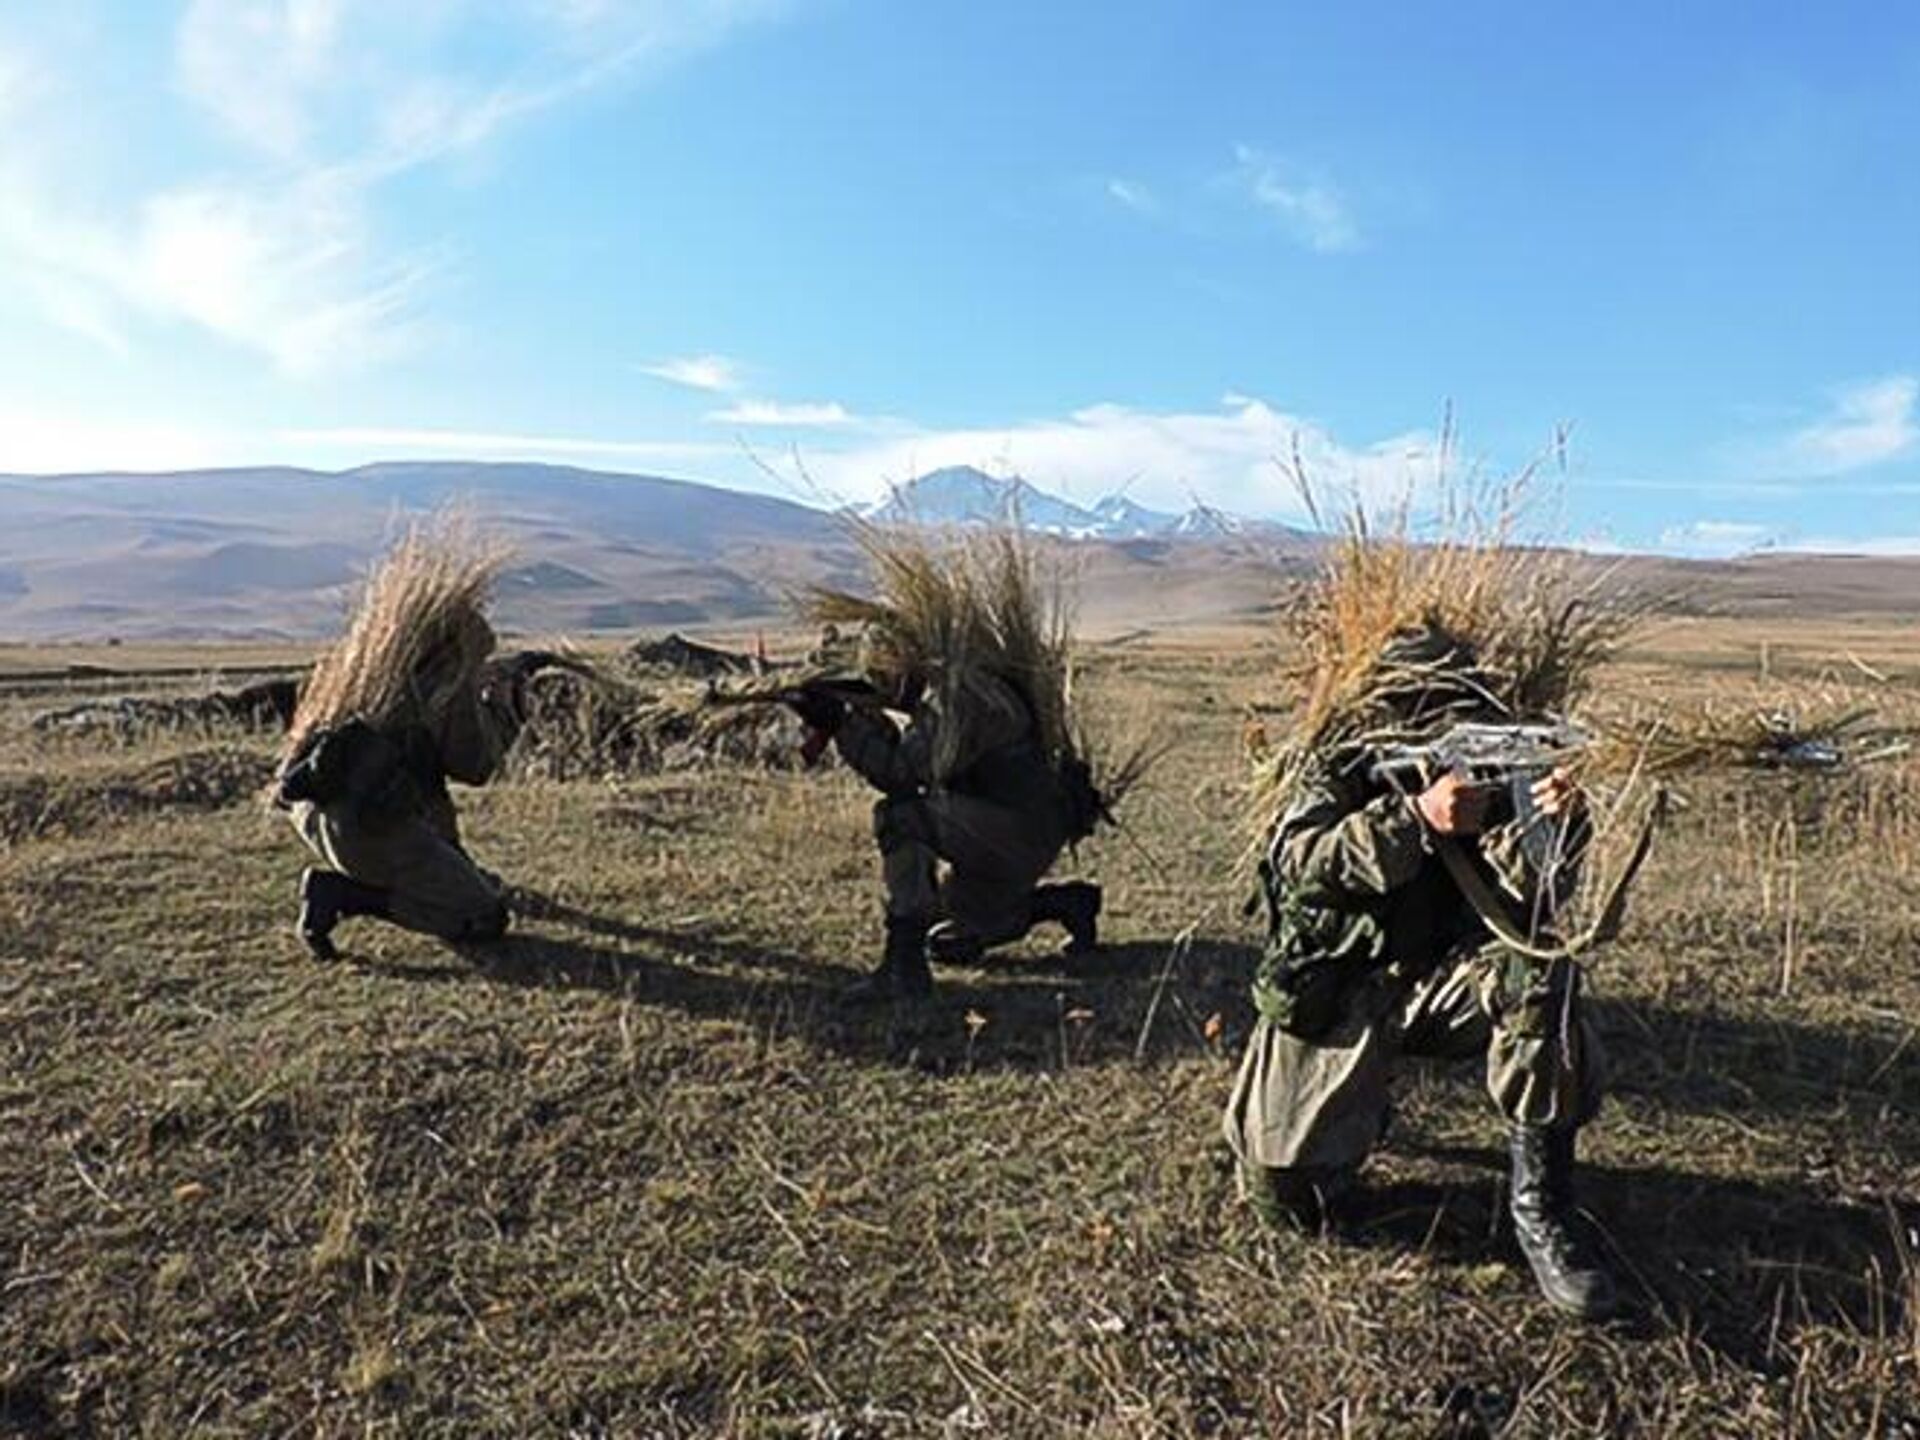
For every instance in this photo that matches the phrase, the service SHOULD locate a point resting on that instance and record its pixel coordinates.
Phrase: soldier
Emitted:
(1375, 952)
(405, 704)
(967, 781)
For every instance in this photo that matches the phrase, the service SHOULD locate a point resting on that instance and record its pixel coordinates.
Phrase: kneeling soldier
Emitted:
(1376, 952)
(401, 706)
(986, 799)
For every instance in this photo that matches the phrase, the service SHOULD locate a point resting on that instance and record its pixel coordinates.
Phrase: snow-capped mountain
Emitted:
(962, 495)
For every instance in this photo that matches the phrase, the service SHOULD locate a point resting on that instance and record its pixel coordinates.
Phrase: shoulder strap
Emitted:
(1496, 911)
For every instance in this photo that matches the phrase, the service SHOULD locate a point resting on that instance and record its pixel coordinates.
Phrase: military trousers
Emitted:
(1320, 1106)
(995, 856)
(432, 884)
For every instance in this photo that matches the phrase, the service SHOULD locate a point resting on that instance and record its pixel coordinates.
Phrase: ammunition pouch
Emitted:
(1307, 998)
(1314, 961)
(367, 774)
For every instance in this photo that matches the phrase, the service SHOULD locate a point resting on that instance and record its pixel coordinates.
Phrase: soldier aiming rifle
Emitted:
(1412, 893)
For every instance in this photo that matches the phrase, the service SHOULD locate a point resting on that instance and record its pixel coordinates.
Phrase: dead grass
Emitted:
(634, 1173)
(1519, 631)
(88, 797)
(418, 635)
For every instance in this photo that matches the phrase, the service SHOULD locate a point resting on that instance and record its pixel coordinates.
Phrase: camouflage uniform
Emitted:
(413, 855)
(993, 809)
(1374, 953)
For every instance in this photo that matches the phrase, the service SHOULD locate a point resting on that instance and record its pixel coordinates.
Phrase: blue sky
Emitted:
(1149, 246)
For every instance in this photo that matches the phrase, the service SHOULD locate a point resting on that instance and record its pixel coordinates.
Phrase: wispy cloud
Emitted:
(1716, 539)
(1133, 195)
(829, 415)
(1868, 423)
(372, 443)
(1306, 206)
(270, 239)
(714, 373)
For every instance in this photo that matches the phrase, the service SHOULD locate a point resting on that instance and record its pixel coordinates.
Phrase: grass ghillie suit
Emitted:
(401, 705)
(1374, 951)
(968, 638)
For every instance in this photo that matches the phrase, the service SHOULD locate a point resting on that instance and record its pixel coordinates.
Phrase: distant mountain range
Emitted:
(273, 553)
(962, 495)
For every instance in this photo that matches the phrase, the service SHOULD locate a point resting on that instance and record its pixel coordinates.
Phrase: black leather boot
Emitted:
(1074, 905)
(903, 973)
(326, 898)
(1570, 1276)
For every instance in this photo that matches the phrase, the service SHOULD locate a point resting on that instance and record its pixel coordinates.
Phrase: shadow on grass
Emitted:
(1134, 1001)
(1741, 1265)
(1708, 1061)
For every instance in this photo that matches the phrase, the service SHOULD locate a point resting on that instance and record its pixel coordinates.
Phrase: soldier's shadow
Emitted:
(1706, 1060)
(1133, 1001)
(1741, 1266)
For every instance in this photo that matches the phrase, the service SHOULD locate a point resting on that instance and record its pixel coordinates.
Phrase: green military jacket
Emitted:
(1354, 887)
(990, 752)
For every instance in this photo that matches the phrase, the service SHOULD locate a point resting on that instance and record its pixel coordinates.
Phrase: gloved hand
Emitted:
(818, 710)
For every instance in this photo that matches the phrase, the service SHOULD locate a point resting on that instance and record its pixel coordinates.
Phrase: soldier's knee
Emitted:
(489, 923)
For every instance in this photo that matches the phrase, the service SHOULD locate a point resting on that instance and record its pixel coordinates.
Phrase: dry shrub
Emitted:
(418, 637)
(965, 610)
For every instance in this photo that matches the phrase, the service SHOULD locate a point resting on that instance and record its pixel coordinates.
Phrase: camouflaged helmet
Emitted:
(1429, 674)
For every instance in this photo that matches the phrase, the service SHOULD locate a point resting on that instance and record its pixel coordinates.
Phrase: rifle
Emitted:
(849, 691)
(1498, 757)
(1484, 755)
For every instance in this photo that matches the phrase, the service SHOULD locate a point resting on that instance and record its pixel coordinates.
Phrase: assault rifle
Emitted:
(802, 696)
(1483, 754)
(1503, 758)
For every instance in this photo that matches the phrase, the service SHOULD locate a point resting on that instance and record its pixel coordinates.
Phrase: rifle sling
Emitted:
(1496, 913)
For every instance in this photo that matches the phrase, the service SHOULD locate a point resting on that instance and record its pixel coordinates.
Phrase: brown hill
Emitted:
(272, 553)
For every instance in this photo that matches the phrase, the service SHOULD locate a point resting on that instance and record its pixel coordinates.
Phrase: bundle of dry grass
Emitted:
(418, 637)
(1505, 628)
(969, 613)
(1811, 731)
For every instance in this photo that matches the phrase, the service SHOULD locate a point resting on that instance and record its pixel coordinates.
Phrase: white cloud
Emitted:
(373, 443)
(776, 413)
(1133, 195)
(270, 239)
(1232, 458)
(714, 373)
(1869, 423)
(1307, 208)
(1878, 545)
(1716, 539)
(43, 443)
(260, 66)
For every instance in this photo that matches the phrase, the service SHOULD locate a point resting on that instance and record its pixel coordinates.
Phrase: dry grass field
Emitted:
(634, 1172)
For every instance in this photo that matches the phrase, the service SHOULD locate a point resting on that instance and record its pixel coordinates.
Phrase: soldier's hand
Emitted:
(1558, 794)
(1452, 806)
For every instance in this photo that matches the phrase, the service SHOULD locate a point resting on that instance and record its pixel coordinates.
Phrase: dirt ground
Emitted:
(635, 1171)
